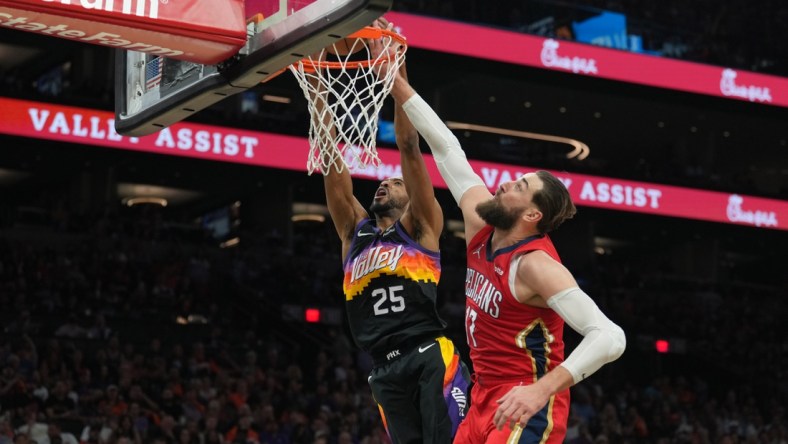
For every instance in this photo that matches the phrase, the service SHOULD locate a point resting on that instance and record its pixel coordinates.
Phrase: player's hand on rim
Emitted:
(379, 50)
(518, 405)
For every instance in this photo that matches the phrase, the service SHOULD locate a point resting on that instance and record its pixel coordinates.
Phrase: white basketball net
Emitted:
(345, 98)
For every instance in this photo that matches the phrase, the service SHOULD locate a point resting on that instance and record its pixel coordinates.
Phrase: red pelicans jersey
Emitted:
(513, 343)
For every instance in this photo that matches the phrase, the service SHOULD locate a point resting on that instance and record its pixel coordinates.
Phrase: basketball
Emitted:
(344, 47)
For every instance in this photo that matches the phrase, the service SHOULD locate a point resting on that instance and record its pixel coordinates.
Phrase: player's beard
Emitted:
(385, 208)
(494, 213)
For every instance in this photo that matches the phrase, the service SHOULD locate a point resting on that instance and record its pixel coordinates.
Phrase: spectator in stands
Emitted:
(33, 428)
(6, 430)
(272, 433)
(13, 389)
(193, 409)
(169, 405)
(165, 430)
(60, 405)
(22, 438)
(242, 432)
(95, 432)
(113, 404)
(71, 329)
(185, 437)
(56, 436)
(99, 329)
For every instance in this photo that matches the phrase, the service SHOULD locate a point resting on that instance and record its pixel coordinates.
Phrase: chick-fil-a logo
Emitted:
(551, 59)
(728, 87)
(758, 218)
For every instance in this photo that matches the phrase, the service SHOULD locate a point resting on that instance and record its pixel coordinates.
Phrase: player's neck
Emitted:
(504, 238)
(385, 221)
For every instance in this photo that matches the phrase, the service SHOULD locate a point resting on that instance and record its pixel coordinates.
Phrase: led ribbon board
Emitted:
(92, 127)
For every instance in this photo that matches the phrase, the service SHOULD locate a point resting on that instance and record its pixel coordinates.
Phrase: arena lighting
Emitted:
(662, 346)
(308, 218)
(312, 315)
(191, 319)
(230, 242)
(579, 149)
(276, 99)
(131, 201)
(456, 227)
(308, 212)
(11, 176)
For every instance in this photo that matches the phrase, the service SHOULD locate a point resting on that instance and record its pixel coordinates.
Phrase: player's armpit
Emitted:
(472, 197)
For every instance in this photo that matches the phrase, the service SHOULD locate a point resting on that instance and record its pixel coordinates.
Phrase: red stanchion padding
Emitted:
(200, 31)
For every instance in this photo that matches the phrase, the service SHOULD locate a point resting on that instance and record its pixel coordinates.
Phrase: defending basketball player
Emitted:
(518, 296)
(392, 268)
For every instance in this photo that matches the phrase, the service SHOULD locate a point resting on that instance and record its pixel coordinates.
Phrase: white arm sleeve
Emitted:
(603, 341)
(449, 156)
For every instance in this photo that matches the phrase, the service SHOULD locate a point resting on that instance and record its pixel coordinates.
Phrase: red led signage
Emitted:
(92, 127)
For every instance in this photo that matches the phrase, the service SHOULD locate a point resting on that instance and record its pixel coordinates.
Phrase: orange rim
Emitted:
(367, 32)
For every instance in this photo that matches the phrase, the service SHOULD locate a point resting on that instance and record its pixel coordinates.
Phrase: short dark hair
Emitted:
(554, 202)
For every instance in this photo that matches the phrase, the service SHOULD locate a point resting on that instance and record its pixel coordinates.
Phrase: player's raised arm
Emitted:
(424, 218)
(345, 210)
(465, 185)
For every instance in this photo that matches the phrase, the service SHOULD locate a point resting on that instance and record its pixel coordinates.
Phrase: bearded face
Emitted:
(391, 197)
(494, 213)
(384, 206)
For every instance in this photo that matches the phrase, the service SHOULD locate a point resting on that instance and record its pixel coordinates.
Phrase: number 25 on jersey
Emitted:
(390, 300)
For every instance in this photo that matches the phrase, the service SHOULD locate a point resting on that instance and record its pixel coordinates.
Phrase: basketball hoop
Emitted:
(345, 95)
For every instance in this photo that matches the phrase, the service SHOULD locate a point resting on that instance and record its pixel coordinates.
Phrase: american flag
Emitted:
(153, 71)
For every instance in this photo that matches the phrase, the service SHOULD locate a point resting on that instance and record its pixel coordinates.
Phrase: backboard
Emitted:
(153, 92)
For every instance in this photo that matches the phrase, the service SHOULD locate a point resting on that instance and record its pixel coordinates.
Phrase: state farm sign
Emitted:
(202, 32)
(63, 30)
(208, 142)
(141, 8)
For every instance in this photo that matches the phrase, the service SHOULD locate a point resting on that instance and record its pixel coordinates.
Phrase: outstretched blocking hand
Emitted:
(519, 404)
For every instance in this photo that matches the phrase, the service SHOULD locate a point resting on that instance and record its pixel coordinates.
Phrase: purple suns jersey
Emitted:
(390, 287)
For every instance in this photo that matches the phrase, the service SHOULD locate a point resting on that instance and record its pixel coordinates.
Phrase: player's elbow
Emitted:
(445, 145)
(409, 147)
(407, 140)
(453, 145)
(618, 342)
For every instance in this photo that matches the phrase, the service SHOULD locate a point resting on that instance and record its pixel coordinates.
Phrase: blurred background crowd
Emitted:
(122, 331)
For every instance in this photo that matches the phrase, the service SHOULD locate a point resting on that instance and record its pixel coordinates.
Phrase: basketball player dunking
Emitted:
(392, 268)
(518, 297)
